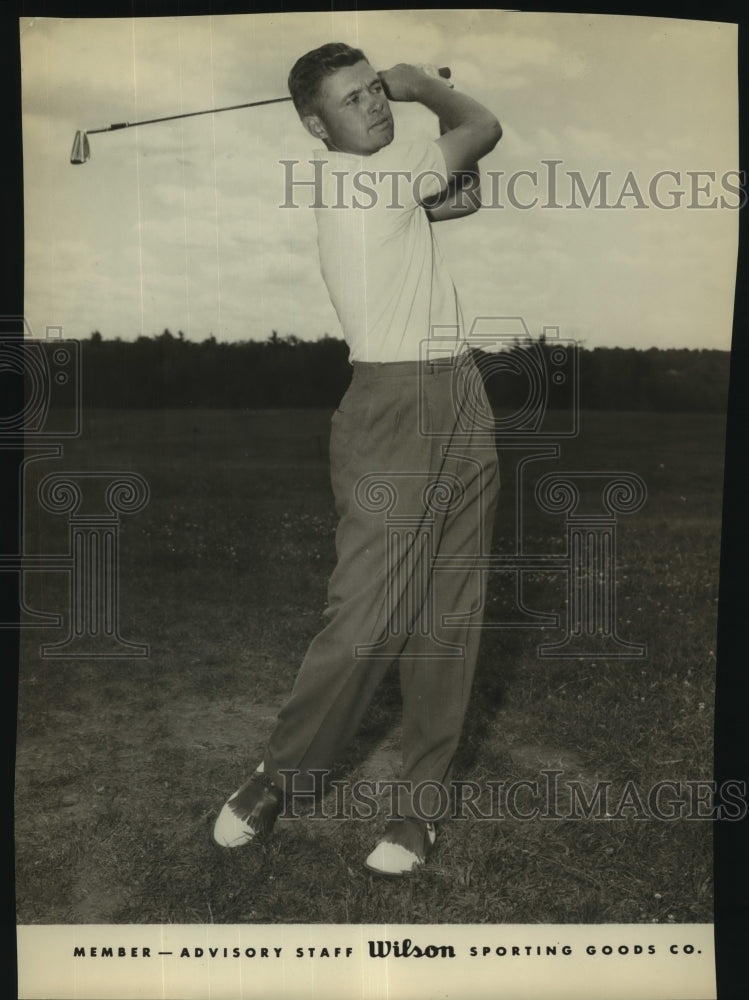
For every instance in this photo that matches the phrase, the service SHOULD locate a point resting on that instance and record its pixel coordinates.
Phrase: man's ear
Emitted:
(315, 126)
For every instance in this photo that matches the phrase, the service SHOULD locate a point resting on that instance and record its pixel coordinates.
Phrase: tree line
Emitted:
(170, 371)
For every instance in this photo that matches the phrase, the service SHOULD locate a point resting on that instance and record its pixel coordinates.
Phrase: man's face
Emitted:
(353, 111)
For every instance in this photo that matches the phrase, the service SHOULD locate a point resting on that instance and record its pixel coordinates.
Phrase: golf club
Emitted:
(82, 150)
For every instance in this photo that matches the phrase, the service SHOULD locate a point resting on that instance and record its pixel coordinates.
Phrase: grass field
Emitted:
(122, 765)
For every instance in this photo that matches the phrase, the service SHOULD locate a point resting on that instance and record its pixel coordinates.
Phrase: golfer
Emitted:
(406, 450)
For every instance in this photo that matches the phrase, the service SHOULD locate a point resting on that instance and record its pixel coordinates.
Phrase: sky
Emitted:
(178, 225)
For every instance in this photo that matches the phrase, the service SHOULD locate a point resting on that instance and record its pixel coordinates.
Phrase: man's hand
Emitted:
(402, 82)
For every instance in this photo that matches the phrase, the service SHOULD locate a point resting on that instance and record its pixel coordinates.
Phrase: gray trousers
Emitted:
(415, 479)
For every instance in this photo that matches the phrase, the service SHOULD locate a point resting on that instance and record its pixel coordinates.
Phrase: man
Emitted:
(402, 444)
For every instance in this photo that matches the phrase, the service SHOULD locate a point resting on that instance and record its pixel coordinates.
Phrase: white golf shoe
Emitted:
(249, 813)
(403, 849)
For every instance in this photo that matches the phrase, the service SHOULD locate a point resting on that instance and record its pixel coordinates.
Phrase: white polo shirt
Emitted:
(383, 268)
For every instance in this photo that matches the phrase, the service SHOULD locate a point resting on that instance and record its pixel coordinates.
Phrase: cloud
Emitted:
(178, 224)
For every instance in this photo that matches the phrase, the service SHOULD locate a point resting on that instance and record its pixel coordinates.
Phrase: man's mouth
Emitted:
(380, 123)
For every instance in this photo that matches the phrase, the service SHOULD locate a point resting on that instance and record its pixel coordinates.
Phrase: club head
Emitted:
(81, 150)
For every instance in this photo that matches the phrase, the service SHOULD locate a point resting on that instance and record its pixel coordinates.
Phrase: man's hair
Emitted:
(310, 70)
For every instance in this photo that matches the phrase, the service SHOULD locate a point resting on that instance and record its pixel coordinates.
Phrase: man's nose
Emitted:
(376, 102)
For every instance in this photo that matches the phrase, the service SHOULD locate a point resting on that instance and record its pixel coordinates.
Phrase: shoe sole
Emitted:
(393, 875)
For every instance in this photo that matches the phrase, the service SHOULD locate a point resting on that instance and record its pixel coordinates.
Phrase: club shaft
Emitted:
(189, 114)
(444, 72)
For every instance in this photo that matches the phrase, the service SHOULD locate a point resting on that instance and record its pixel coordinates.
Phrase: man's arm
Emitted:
(461, 197)
(472, 130)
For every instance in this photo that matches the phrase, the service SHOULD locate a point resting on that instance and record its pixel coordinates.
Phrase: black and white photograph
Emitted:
(376, 371)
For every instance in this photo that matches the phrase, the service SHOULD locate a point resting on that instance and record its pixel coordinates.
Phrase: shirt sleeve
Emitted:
(422, 164)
